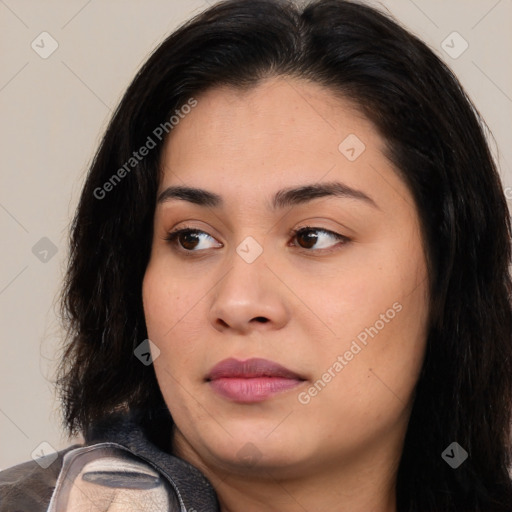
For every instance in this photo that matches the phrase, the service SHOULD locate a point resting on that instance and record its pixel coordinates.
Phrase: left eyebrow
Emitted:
(282, 199)
(300, 195)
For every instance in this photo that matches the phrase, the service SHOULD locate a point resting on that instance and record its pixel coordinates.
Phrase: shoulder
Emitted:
(117, 452)
(29, 486)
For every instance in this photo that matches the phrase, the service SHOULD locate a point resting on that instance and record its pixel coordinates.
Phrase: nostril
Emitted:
(261, 319)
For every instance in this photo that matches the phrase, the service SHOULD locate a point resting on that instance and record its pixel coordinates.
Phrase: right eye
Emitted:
(188, 239)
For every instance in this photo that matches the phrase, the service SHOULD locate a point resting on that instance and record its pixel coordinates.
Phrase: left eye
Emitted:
(193, 240)
(309, 240)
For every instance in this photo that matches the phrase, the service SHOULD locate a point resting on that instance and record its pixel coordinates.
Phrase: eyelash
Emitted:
(173, 238)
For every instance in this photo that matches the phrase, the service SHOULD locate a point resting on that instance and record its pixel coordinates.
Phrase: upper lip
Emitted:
(250, 368)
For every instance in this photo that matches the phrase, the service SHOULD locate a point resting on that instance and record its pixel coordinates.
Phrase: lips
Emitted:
(255, 367)
(253, 380)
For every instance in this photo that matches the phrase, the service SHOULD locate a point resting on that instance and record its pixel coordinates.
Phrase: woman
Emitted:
(289, 281)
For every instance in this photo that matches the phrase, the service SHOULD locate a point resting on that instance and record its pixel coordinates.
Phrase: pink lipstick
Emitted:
(252, 380)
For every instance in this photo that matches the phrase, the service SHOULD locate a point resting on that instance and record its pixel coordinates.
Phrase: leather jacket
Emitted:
(117, 468)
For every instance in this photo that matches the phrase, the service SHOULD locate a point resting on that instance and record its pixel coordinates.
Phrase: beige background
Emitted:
(54, 111)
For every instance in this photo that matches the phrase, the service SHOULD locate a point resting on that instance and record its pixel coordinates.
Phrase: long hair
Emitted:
(433, 135)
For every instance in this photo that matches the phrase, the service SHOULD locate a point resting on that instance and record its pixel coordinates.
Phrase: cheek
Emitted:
(385, 361)
(377, 310)
(371, 391)
(365, 285)
(171, 308)
(157, 299)
(165, 300)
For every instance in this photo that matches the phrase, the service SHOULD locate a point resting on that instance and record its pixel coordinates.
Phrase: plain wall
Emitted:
(54, 111)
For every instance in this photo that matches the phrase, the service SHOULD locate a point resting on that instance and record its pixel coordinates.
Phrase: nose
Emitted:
(248, 297)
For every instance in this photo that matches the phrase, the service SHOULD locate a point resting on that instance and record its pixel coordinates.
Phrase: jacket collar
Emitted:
(193, 488)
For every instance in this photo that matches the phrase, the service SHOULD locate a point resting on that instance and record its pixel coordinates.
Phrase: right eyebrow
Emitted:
(193, 195)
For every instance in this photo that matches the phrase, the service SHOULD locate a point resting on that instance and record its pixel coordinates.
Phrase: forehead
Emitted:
(281, 133)
(295, 110)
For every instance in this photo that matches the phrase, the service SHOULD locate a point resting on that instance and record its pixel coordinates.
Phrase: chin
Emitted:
(256, 451)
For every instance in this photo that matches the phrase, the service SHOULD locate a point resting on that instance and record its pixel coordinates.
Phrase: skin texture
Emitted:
(340, 450)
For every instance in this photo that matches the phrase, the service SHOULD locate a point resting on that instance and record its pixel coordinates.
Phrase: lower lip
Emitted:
(248, 390)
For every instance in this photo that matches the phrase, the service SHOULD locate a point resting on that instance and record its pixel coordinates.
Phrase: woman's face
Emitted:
(342, 306)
